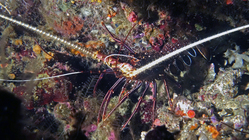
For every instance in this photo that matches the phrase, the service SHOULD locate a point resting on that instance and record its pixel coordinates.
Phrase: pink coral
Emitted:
(132, 17)
(89, 129)
(145, 110)
(112, 136)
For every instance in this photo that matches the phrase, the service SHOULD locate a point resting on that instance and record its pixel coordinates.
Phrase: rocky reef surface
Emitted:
(201, 93)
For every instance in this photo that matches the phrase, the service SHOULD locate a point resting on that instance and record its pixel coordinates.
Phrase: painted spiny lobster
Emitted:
(124, 71)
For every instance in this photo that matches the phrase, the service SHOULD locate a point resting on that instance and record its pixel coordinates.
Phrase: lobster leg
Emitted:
(107, 96)
(138, 104)
(123, 89)
(154, 95)
(100, 78)
(95, 87)
(167, 91)
(118, 40)
(111, 91)
(124, 98)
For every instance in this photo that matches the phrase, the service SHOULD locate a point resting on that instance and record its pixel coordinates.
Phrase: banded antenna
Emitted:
(139, 70)
(56, 38)
(178, 51)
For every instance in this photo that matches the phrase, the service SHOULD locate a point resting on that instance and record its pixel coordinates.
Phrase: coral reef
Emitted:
(197, 96)
(70, 27)
(236, 57)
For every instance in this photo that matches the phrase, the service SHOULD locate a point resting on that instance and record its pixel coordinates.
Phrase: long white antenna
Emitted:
(178, 51)
(63, 41)
(139, 70)
(39, 79)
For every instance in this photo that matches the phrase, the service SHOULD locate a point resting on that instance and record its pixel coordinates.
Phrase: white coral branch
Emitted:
(236, 57)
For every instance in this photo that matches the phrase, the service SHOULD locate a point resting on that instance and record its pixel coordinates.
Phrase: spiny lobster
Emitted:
(124, 70)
